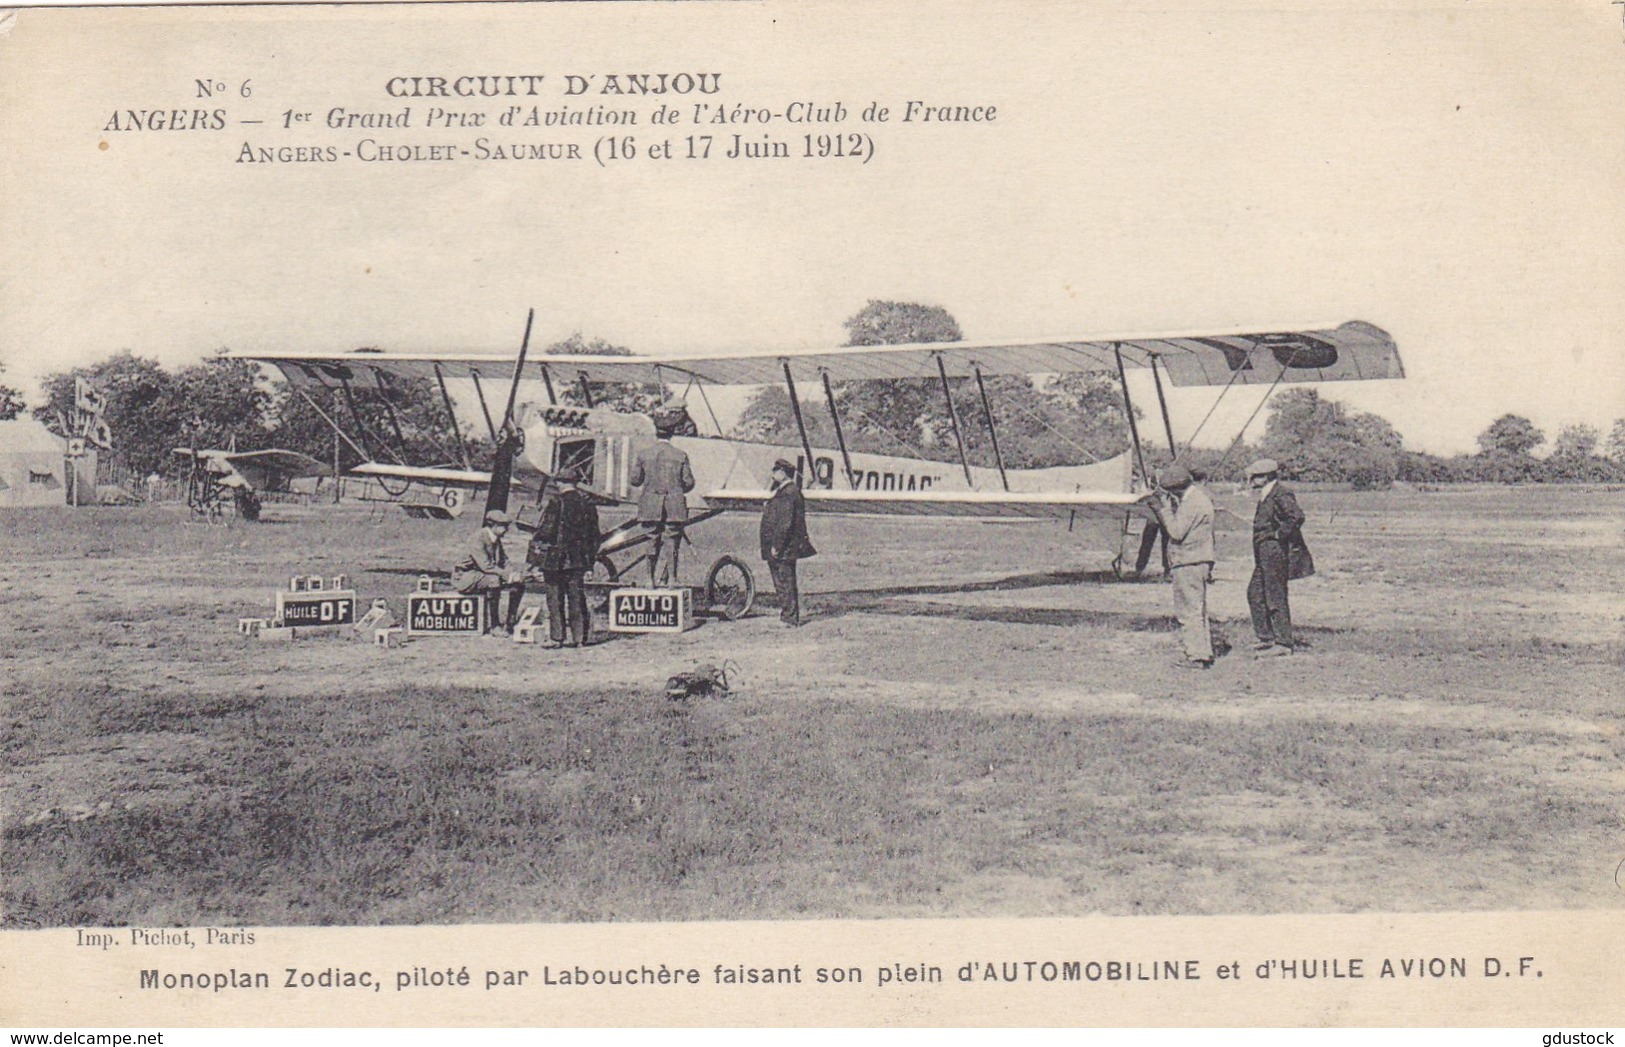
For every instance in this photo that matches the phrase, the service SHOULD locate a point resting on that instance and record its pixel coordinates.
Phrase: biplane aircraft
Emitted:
(538, 438)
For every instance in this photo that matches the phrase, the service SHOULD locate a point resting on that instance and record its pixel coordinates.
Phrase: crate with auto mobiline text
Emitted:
(445, 614)
(651, 610)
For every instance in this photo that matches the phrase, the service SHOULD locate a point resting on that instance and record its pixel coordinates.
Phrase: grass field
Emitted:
(977, 721)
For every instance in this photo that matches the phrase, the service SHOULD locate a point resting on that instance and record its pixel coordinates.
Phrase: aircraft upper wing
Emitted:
(1324, 353)
(981, 504)
(292, 464)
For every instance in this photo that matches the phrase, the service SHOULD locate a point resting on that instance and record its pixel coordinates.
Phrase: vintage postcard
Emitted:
(812, 514)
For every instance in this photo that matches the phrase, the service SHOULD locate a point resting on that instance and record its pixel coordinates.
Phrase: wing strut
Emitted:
(451, 419)
(992, 431)
(801, 425)
(953, 420)
(511, 438)
(547, 380)
(1243, 430)
(340, 433)
(384, 391)
(485, 408)
(715, 425)
(1153, 531)
(586, 389)
(840, 437)
(1162, 401)
(361, 426)
(518, 371)
(1149, 536)
(1128, 409)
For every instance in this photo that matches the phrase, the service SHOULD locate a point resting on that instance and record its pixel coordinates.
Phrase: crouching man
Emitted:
(484, 570)
(1185, 513)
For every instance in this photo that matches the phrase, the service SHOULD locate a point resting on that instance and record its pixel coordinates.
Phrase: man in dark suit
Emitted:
(1279, 555)
(565, 546)
(663, 477)
(784, 539)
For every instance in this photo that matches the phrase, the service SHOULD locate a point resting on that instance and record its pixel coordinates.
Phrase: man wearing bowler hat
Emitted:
(784, 539)
(1279, 555)
(484, 569)
(1185, 513)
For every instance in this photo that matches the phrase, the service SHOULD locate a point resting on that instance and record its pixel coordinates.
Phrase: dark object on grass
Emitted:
(703, 681)
(248, 504)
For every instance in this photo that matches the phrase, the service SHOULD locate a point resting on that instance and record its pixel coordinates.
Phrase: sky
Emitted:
(1450, 172)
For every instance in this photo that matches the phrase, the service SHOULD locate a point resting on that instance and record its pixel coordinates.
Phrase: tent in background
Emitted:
(32, 465)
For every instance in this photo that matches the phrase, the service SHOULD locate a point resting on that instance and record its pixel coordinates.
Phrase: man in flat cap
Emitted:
(484, 569)
(663, 477)
(1185, 513)
(784, 539)
(567, 541)
(1279, 555)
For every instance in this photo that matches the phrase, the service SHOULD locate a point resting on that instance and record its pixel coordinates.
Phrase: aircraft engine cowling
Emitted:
(600, 442)
(537, 455)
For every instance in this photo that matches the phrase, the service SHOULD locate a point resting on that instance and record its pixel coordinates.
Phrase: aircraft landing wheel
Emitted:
(730, 590)
(603, 575)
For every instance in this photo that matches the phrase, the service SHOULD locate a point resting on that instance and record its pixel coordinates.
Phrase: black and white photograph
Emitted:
(805, 514)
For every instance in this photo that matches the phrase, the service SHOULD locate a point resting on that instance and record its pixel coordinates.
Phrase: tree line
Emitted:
(1070, 419)
(1317, 440)
(1067, 420)
(229, 403)
(1040, 421)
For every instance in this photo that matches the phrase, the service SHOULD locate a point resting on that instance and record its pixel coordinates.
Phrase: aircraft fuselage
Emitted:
(604, 443)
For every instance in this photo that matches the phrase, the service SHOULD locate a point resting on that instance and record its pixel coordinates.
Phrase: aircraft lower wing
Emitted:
(424, 492)
(1054, 505)
(455, 479)
(425, 474)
